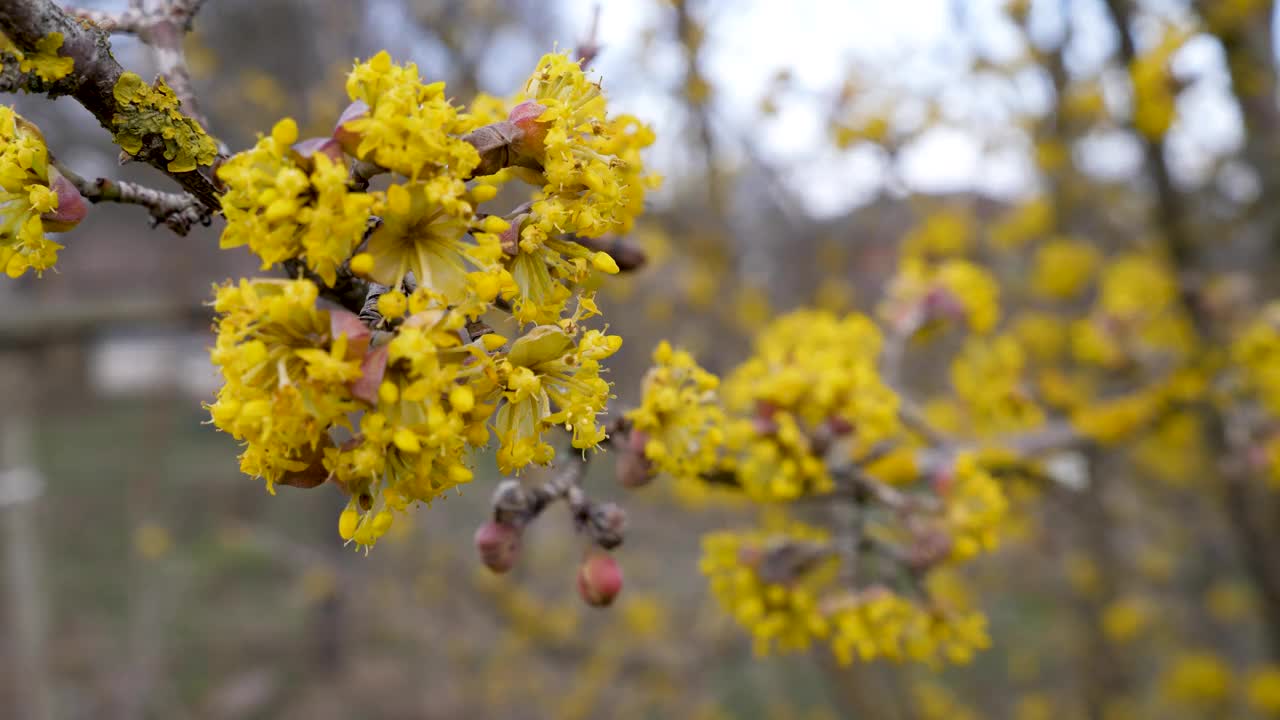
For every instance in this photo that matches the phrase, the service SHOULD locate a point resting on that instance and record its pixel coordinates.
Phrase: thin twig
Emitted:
(177, 211)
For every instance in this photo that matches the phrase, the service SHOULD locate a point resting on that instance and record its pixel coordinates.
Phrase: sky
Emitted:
(916, 49)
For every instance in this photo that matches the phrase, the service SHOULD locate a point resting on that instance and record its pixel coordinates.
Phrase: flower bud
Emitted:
(304, 152)
(839, 426)
(928, 548)
(608, 521)
(499, 545)
(525, 116)
(599, 579)
(71, 209)
(634, 469)
(349, 140)
(942, 304)
(943, 480)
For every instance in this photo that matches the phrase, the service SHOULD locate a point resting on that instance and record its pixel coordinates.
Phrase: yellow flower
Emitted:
(1041, 334)
(1198, 678)
(1062, 268)
(878, 623)
(594, 182)
(24, 196)
(282, 211)
(988, 377)
(1024, 223)
(591, 177)
(1256, 352)
(768, 582)
(944, 234)
(975, 506)
(410, 128)
(548, 379)
(412, 446)
(1154, 96)
(1125, 618)
(422, 236)
(679, 415)
(1263, 690)
(811, 373)
(285, 374)
(920, 294)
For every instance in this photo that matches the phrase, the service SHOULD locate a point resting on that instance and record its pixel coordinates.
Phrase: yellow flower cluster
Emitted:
(286, 374)
(591, 177)
(421, 235)
(391, 415)
(988, 378)
(412, 444)
(975, 508)
(24, 196)
(941, 235)
(878, 623)
(1198, 678)
(811, 372)
(779, 584)
(281, 210)
(410, 127)
(548, 367)
(1062, 268)
(1256, 352)
(769, 583)
(1024, 223)
(680, 416)
(1256, 355)
(291, 378)
(1154, 94)
(924, 293)
(1136, 318)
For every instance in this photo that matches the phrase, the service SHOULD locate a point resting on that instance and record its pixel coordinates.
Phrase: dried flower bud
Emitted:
(71, 209)
(499, 545)
(599, 579)
(608, 522)
(928, 548)
(510, 503)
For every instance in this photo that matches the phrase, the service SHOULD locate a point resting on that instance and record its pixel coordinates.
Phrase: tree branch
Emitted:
(93, 81)
(178, 211)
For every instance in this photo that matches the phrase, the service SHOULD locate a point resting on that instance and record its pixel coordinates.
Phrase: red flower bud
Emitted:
(71, 209)
(348, 139)
(304, 152)
(941, 303)
(839, 426)
(599, 579)
(943, 480)
(525, 116)
(634, 469)
(499, 545)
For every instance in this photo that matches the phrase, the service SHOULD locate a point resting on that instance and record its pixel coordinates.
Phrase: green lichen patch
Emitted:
(153, 111)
